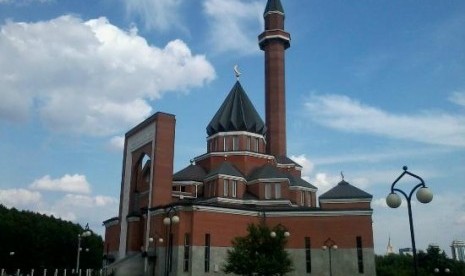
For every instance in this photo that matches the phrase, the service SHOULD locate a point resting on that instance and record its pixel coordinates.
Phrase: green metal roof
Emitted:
(274, 6)
(344, 190)
(266, 172)
(237, 113)
(190, 173)
(225, 168)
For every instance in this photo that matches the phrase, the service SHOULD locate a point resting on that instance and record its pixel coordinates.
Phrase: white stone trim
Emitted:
(187, 183)
(111, 223)
(249, 201)
(268, 180)
(234, 153)
(346, 200)
(235, 133)
(318, 213)
(225, 176)
(272, 37)
(133, 143)
(273, 12)
(302, 188)
(133, 219)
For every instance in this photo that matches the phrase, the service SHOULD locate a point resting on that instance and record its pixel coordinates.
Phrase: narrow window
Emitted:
(186, 253)
(267, 191)
(302, 198)
(225, 187)
(207, 253)
(235, 143)
(308, 255)
(249, 143)
(234, 188)
(359, 255)
(257, 144)
(225, 144)
(277, 190)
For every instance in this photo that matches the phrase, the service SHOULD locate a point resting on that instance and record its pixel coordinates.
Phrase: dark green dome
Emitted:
(237, 113)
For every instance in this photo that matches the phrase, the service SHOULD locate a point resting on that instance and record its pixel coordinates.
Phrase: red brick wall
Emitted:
(224, 227)
(164, 157)
(111, 243)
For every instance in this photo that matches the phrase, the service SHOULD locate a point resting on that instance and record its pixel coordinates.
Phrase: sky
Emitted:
(371, 86)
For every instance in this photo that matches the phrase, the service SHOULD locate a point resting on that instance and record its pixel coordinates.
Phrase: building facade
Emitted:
(183, 223)
(458, 250)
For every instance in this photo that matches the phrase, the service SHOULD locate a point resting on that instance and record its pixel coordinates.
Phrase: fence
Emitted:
(56, 272)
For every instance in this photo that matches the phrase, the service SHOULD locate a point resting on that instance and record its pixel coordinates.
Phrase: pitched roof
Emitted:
(190, 173)
(344, 190)
(274, 6)
(237, 113)
(299, 182)
(225, 168)
(266, 172)
(284, 160)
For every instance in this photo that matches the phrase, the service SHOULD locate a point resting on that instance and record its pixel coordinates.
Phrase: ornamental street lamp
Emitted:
(170, 219)
(446, 270)
(393, 200)
(330, 245)
(86, 233)
(286, 234)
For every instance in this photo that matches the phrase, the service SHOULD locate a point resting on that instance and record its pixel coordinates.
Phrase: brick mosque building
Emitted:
(183, 223)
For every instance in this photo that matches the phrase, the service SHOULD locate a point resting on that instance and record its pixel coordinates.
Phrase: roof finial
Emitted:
(342, 175)
(236, 72)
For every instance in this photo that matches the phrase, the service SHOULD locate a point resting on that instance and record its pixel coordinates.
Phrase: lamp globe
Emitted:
(424, 195)
(393, 200)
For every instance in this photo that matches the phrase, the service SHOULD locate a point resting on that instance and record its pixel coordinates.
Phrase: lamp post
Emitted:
(170, 219)
(151, 251)
(393, 200)
(330, 245)
(86, 233)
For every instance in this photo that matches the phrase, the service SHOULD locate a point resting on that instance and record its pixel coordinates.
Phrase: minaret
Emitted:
(274, 41)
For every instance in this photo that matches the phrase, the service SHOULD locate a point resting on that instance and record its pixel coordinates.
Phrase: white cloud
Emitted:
(78, 208)
(68, 183)
(430, 220)
(234, 24)
(89, 77)
(116, 143)
(307, 164)
(156, 14)
(458, 97)
(343, 113)
(20, 198)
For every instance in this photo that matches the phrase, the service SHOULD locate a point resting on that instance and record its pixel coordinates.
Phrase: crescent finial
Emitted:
(236, 72)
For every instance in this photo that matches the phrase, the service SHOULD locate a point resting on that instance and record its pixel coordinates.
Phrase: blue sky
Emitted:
(371, 86)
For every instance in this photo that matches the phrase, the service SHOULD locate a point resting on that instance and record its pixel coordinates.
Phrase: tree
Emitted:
(259, 253)
(40, 241)
(433, 258)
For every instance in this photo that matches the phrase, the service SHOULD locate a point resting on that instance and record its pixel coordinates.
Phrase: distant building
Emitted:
(458, 250)
(389, 248)
(183, 223)
(406, 251)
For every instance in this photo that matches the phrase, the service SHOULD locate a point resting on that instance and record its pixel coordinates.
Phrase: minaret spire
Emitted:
(274, 41)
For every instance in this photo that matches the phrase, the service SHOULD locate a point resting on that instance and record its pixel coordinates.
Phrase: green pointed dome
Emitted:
(237, 113)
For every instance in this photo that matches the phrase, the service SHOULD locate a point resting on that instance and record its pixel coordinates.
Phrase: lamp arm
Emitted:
(408, 197)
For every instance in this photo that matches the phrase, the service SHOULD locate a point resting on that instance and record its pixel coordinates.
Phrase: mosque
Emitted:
(183, 223)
